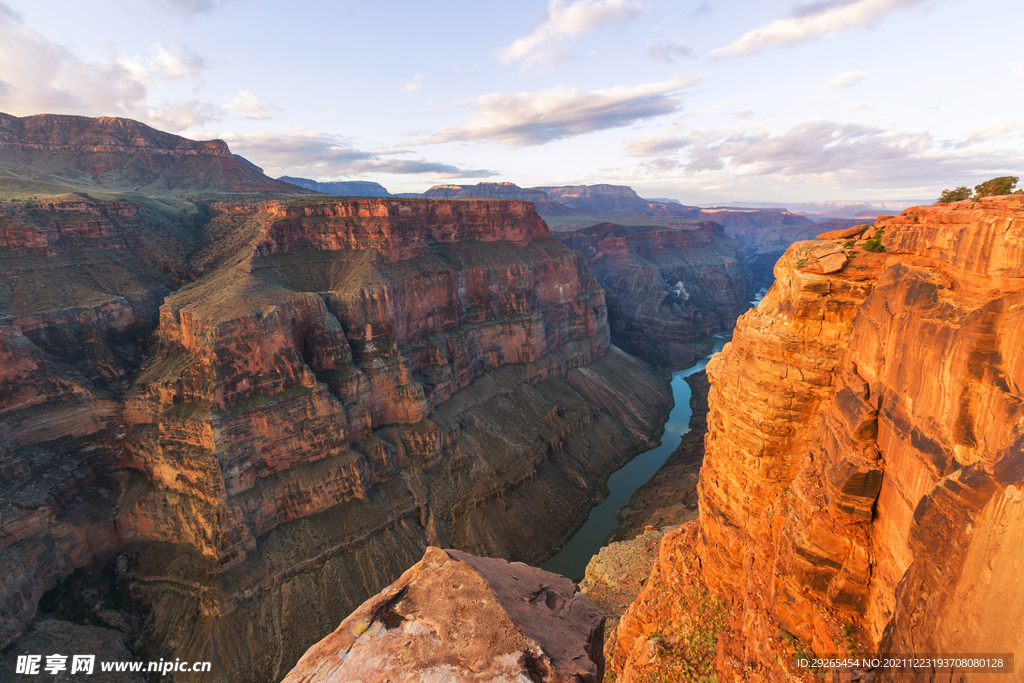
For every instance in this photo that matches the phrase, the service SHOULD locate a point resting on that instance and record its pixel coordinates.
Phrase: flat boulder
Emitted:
(457, 617)
(844, 233)
(831, 258)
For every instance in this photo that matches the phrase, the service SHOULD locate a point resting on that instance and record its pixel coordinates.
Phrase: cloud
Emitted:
(721, 105)
(847, 79)
(191, 7)
(546, 46)
(996, 130)
(668, 52)
(249, 105)
(41, 76)
(828, 151)
(534, 118)
(178, 62)
(415, 84)
(811, 22)
(305, 152)
(701, 10)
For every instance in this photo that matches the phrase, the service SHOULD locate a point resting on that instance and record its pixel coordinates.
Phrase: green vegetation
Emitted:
(990, 188)
(875, 244)
(959, 194)
(686, 651)
(996, 186)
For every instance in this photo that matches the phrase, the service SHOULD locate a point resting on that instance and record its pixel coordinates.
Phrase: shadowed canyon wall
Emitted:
(861, 489)
(342, 384)
(666, 287)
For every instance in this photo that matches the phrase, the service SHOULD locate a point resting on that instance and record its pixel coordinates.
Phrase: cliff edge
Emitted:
(861, 488)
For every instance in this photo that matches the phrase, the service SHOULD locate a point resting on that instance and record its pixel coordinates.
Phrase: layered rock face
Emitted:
(348, 188)
(540, 200)
(346, 383)
(764, 234)
(665, 286)
(455, 617)
(125, 154)
(861, 484)
(615, 199)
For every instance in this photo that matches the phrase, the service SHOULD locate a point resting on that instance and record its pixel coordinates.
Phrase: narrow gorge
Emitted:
(226, 423)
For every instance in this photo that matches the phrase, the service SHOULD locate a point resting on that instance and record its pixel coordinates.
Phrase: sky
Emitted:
(704, 101)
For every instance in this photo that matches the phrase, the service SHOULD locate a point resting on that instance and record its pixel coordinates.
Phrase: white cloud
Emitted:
(310, 153)
(534, 118)
(996, 130)
(178, 62)
(415, 84)
(244, 102)
(546, 45)
(38, 76)
(189, 7)
(822, 150)
(668, 52)
(847, 79)
(720, 105)
(812, 22)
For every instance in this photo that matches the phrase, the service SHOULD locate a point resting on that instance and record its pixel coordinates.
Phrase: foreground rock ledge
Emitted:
(457, 617)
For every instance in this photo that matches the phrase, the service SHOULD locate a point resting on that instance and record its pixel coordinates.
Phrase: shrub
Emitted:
(959, 194)
(996, 186)
(875, 243)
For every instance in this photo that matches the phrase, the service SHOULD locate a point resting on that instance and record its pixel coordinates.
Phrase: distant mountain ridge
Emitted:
(504, 190)
(839, 208)
(605, 198)
(55, 152)
(345, 188)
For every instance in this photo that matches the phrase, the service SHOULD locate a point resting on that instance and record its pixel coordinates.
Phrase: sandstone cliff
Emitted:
(540, 200)
(47, 150)
(346, 188)
(341, 384)
(764, 234)
(615, 199)
(666, 287)
(457, 617)
(861, 485)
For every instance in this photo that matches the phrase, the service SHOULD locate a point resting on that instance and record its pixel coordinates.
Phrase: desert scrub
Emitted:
(875, 244)
(684, 650)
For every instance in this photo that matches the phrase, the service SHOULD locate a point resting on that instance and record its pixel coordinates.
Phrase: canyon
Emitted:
(860, 486)
(666, 287)
(228, 420)
(237, 417)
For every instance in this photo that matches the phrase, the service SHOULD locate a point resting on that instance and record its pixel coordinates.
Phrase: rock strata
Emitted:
(666, 287)
(860, 488)
(338, 385)
(458, 617)
(116, 153)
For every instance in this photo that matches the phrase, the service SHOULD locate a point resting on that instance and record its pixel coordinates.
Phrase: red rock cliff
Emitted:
(861, 485)
(348, 382)
(665, 286)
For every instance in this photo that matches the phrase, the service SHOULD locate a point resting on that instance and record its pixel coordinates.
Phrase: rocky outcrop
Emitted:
(615, 199)
(666, 287)
(540, 200)
(117, 153)
(764, 234)
(453, 617)
(346, 383)
(346, 188)
(860, 488)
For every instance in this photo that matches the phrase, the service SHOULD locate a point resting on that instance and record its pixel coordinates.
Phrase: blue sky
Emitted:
(703, 101)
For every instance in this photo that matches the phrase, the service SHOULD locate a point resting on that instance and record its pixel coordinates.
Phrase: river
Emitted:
(571, 561)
